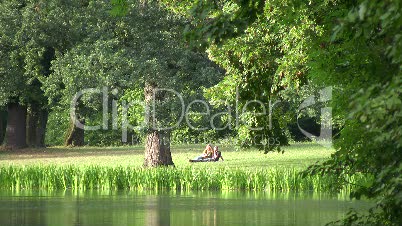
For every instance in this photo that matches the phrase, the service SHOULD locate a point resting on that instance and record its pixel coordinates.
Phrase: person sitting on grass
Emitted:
(209, 155)
(208, 151)
(217, 154)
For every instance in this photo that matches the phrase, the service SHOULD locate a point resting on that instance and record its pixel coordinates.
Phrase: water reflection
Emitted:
(171, 208)
(157, 210)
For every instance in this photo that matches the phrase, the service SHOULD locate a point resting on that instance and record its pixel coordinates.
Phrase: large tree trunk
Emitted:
(157, 149)
(36, 126)
(16, 126)
(75, 135)
(157, 146)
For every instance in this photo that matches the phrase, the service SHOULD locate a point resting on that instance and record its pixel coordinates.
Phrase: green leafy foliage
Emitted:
(215, 21)
(355, 47)
(268, 53)
(363, 61)
(31, 32)
(121, 54)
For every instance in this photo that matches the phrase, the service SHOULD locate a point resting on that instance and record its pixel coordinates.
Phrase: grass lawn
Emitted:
(298, 155)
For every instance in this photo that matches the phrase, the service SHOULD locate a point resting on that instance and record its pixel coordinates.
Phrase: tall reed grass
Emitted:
(135, 178)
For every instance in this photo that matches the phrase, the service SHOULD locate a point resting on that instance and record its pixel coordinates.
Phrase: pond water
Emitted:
(171, 208)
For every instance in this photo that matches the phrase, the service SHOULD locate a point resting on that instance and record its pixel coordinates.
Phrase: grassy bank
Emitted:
(120, 168)
(134, 178)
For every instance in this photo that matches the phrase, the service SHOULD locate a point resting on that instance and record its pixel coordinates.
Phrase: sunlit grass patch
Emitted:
(297, 156)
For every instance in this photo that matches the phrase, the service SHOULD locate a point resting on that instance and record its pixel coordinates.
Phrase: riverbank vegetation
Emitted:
(95, 177)
(121, 168)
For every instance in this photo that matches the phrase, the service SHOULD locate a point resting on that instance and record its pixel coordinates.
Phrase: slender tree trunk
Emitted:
(16, 126)
(41, 129)
(32, 121)
(75, 135)
(157, 146)
(36, 126)
(2, 126)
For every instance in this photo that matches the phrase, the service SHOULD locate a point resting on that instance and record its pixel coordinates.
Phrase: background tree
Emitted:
(32, 31)
(141, 49)
(263, 47)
